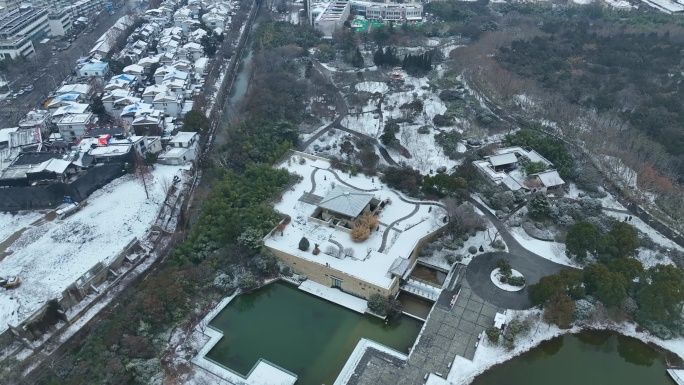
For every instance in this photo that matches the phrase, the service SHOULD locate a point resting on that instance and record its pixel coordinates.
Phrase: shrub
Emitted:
(501, 200)
(384, 306)
(516, 281)
(560, 311)
(424, 130)
(493, 334)
(498, 244)
(453, 258)
(304, 244)
(251, 238)
(504, 267)
(539, 207)
(472, 249)
(332, 250)
(369, 220)
(378, 304)
(535, 167)
(286, 271)
(360, 233)
(441, 120)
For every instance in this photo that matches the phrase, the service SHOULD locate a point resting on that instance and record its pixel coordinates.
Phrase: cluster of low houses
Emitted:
(506, 167)
(147, 100)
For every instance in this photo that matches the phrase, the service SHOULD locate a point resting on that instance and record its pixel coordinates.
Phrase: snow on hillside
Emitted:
(53, 254)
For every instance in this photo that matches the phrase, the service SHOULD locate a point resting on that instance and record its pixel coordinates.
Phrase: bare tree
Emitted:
(142, 171)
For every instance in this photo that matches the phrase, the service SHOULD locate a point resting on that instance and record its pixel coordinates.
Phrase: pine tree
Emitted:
(379, 58)
(357, 60)
(405, 62)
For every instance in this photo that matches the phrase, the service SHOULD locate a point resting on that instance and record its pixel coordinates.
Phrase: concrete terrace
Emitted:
(447, 333)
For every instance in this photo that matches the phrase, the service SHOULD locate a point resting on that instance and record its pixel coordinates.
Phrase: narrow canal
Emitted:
(587, 358)
(301, 333)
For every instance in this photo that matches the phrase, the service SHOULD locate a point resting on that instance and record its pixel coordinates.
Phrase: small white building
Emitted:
(36, 120)
(95, 69)
(169, 102)
(183, 148)
(73, 126)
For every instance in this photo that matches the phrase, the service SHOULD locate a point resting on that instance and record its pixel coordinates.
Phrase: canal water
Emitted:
(300, 333)
(587, 358)
(414, 305)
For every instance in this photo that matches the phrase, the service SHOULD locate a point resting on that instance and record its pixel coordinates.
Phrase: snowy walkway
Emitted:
(334, 295)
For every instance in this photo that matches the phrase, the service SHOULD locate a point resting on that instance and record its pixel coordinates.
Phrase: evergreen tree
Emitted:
(357, 60)
(309, 69)
(379, 58)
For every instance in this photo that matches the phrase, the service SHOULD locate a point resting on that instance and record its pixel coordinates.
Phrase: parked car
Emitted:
(28, 88)
(9, 282)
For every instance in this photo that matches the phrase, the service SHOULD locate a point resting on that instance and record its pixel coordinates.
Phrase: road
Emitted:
(58, 65)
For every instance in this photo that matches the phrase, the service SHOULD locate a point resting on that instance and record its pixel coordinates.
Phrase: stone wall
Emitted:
(44, 197)
(320, 273)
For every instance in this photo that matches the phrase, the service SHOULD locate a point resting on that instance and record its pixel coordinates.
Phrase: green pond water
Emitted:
(300, 333)
(587, 358)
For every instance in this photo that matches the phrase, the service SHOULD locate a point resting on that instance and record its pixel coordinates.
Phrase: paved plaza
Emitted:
(447, 333)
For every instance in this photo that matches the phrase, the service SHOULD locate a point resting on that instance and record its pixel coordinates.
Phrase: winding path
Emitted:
(343, 108)
(313, 181)
(391, 225)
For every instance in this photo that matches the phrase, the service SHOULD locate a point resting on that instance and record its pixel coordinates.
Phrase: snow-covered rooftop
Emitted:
(345, 201)
(372, 260)
(551, 178)
(500, 160)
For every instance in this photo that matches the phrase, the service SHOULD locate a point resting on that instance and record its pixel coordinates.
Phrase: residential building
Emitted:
(193, 51)
(110, 98)
(149, 123)
(507, 167)
(68, 108)
(95, 69)
(152, 91)
(183, 148)
(60, 22)
(19, 29)
(169, 102)
(74, 126)
(36, 120)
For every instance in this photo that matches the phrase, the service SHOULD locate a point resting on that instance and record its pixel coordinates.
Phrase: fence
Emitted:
(44, 197)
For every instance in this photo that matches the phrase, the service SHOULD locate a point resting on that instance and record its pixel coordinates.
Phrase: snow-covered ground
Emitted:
(10, 223)
(426, 154)
(553, 251)
(52, 255)
(372, 87)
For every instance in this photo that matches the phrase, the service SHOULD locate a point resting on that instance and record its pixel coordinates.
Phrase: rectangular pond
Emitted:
(299, 332)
